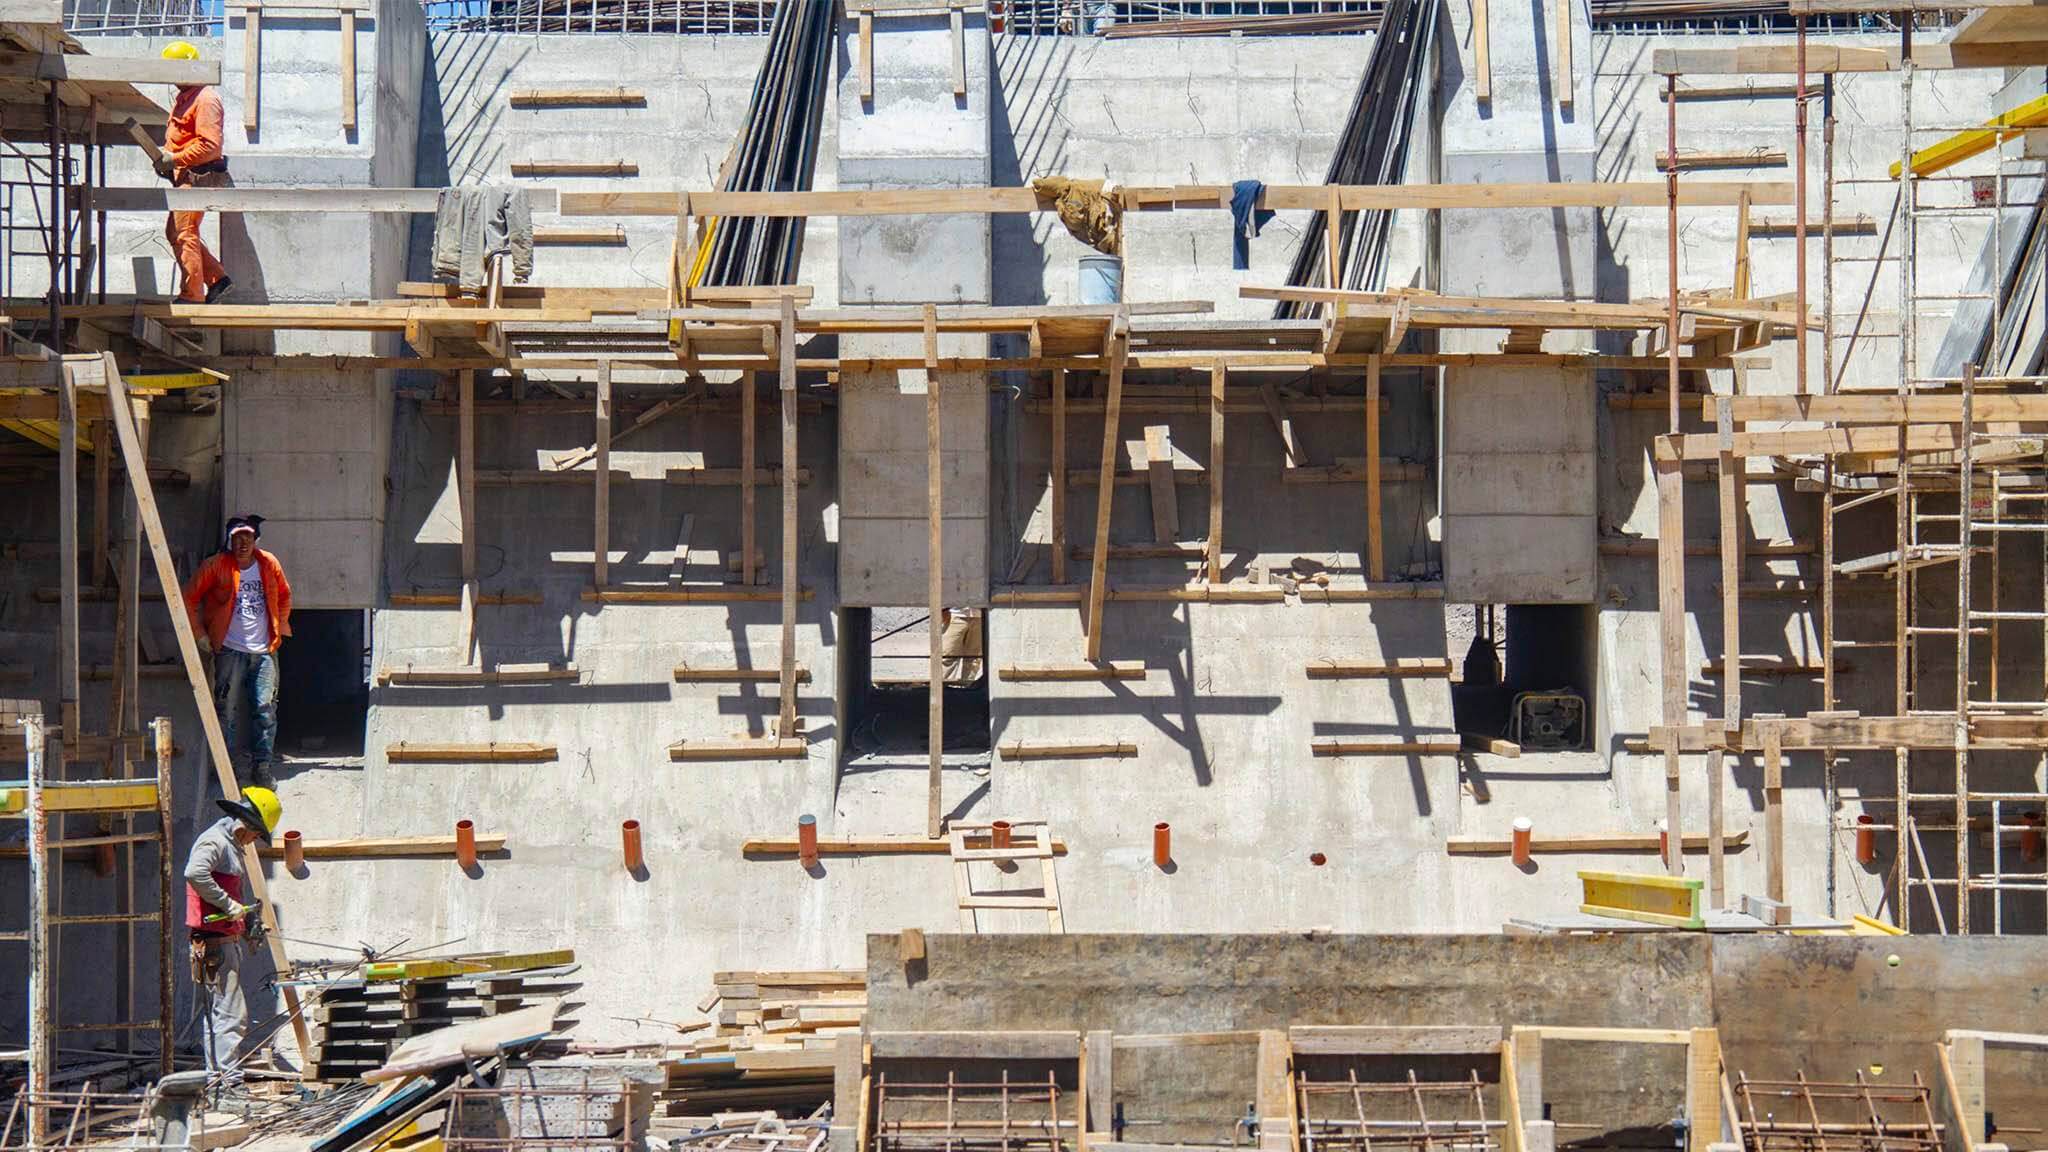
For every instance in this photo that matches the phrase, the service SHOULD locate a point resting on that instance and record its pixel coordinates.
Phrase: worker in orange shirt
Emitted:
(192, 158)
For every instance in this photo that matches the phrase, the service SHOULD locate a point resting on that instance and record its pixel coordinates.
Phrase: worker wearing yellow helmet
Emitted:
(220, 920)
(193, 157)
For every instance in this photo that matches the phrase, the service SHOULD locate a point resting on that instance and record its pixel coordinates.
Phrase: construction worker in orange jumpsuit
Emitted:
(192, 158)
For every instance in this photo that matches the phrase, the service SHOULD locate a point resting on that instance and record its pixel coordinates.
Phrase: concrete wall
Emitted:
(1832, 1008)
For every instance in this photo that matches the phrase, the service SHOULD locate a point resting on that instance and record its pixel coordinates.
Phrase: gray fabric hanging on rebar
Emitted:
(777, 150)
(1373, 150)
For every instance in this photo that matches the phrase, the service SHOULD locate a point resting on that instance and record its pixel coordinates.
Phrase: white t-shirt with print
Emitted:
(249, 622)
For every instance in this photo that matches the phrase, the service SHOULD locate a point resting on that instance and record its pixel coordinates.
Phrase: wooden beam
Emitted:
(465, 495)
(1564, 55)
(860, 846)
(1570, 843)
(956, 26)
(1392, 1039)
(1671, 631)
(1274, 1091)
(136, 464)
(1401, 667)
(701, 674)
(1375, 554)
(1058, 479)
(1027, 750)
(1739, 158)
(1214, 550)
(1854, 408)
(772, 748)
(1098, 564)
(1812, 442)
(1741, 289)
(1097, 670)
(1279, 197)
(1386, 747)
(1482, 66)
(1703, 1090)
(865, 65)
(975, 1045)
(1159, 474)
(785, 726)
(1672, 901)
(576, 97)
(411, 677)
(602, 550)
(492, 752)
(252, 68)
(529, 168)
(385, 847)
(749, 467)
(1269, 395)
(348, 71)
(90, 69)
(1774, 812)
(935, 583)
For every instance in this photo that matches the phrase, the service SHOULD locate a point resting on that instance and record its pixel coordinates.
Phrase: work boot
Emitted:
(219, 289)
(260, 775)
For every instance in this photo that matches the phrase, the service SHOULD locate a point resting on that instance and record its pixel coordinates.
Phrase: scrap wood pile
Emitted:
(358, 1021)
(771, 1044)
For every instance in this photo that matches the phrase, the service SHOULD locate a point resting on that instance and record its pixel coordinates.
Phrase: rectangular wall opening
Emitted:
(887, 673)
(1528, 674)
(323, 695)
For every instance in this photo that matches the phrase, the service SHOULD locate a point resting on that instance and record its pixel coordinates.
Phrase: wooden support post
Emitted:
(603, 552)
(1671, 636)
(1275, 1088)
(1717, 829)
(135, 463)
(957, 21)
(867, 57)
(1774, 813)
(786, 370)
(1098, 1119)
(1529, 1071)
(1333, 238)
(1105, 489)
(1159, 475)
(1729, 478)
(102, 521)
(1214, 551)
(465, 495)
(1564, 55)
(1269, 395)
(1059, 476)
(1742, 245)
(67, 568)
(348, 71)
(748, 463)
(1482, 66)
(1966, 1071)
(252, 66)
(1703, 1089)
(935, 578)
(1375, 549)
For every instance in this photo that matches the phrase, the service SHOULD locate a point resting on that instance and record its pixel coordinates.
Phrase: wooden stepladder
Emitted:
(994, 846)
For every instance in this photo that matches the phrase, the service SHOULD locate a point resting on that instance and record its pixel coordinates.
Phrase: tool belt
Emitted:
(208, 954)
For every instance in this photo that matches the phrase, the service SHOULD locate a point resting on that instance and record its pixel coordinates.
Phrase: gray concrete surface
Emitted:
(1224, 718)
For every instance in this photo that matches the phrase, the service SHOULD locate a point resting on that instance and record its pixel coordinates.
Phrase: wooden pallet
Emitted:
(1029, 840)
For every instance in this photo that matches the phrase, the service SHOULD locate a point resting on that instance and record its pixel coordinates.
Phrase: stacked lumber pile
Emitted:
(771, 1046)
(356, 1023)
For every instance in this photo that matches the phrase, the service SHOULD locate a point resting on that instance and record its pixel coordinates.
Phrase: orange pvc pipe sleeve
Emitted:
(629, 835)
(465, 843)
(1523, 827)
(2032, 837)
(1866, 840)
(999, 834)
(1162, 844)
(807, 840)
(294, 851)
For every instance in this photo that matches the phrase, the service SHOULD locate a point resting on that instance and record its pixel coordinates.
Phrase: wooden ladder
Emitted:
(1029, 840)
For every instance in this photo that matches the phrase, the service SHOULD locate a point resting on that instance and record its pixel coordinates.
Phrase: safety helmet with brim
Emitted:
(258, 810)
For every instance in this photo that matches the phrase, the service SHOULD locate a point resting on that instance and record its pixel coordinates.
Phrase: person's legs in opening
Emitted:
(200, 268)
(263, 709)
(232, 695)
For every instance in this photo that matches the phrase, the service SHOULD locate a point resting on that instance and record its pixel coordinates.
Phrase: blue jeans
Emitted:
(245, 695)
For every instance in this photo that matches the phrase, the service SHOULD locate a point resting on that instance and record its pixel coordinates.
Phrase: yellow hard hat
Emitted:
(259, 810)
(180, 50)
